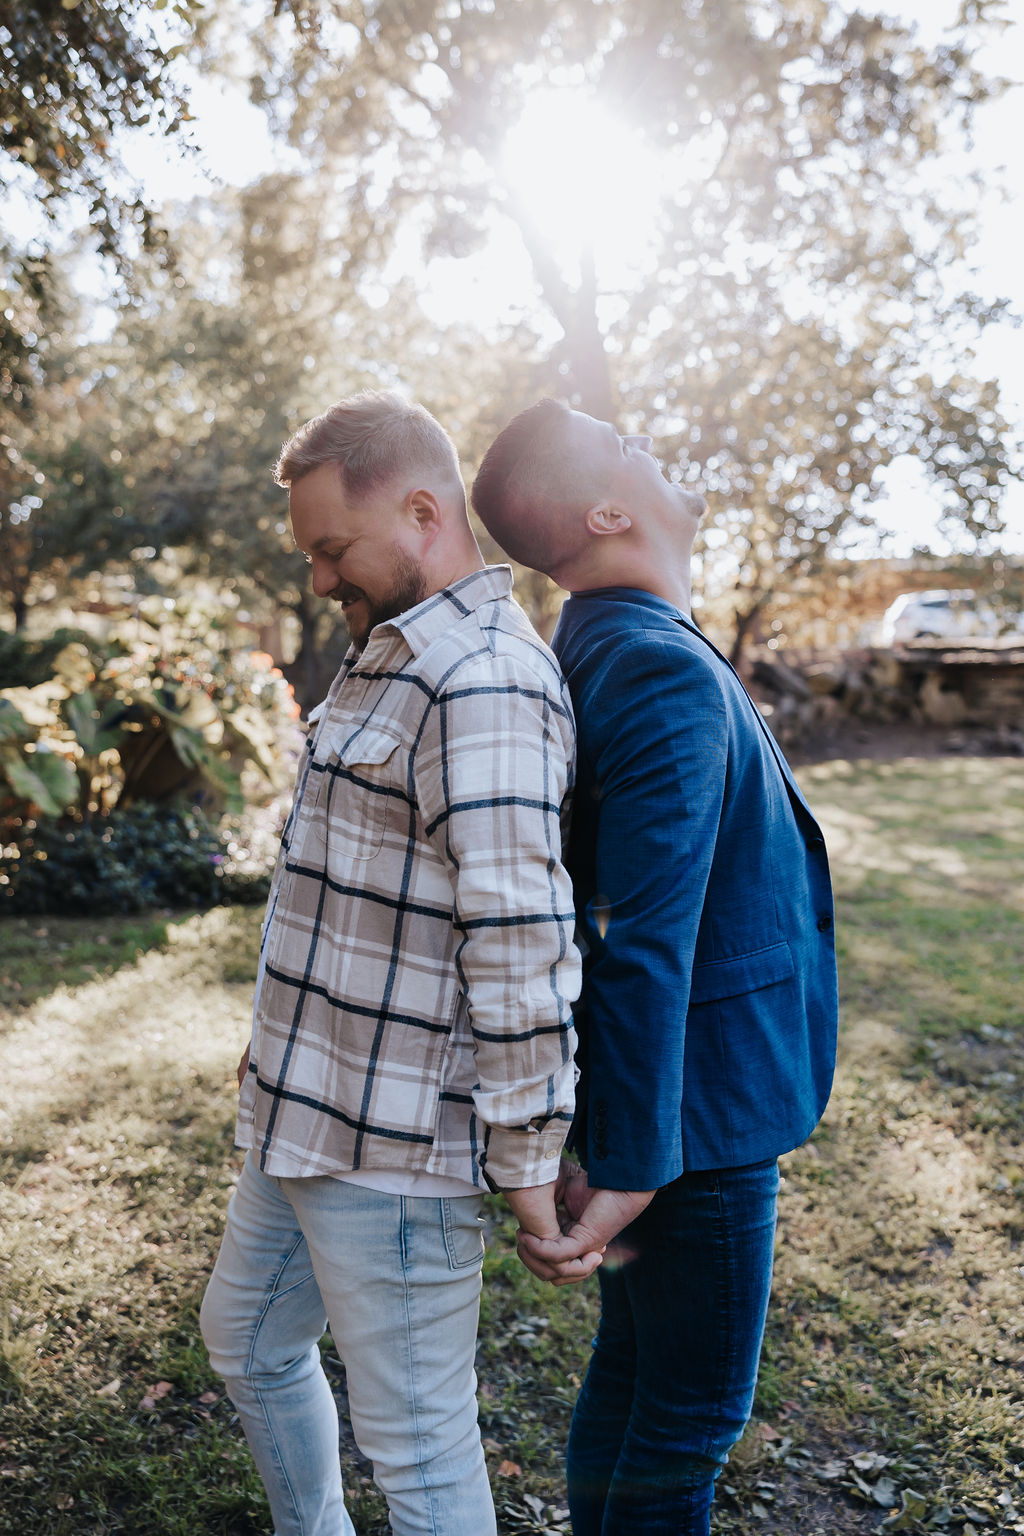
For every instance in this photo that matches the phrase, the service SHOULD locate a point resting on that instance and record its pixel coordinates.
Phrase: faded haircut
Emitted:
(532, 485)
(371, 437)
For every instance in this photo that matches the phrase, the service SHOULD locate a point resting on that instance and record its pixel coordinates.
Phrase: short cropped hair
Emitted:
(532, 486)
(371, 437)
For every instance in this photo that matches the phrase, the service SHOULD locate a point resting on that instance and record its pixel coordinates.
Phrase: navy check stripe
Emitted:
(288, 1095)
(489, 802)
(511, 691)
(411, 1019)
(503, 1036)
(516, 920)
(376, 898)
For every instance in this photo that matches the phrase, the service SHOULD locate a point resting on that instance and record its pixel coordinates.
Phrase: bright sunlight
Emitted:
(586, 178)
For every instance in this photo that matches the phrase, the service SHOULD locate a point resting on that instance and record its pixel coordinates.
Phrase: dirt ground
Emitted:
(885, 740)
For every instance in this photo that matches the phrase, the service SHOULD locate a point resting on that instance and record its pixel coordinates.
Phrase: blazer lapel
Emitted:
(787, 772)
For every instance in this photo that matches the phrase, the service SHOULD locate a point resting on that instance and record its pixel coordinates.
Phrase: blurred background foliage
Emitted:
(797, 314)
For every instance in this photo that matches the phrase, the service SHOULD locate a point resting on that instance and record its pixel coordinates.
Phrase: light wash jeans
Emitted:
(398, 1279)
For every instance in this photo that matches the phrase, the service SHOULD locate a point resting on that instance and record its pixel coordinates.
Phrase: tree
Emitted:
(212, 366)
(72, 74)
(803, 318)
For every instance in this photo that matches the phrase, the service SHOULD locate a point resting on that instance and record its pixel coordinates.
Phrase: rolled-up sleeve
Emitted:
(493, 769)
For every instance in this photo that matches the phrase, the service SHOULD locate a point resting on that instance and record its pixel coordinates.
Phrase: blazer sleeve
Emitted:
(656, 738)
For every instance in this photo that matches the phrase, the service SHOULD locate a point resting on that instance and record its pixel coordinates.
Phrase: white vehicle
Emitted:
(938, 614)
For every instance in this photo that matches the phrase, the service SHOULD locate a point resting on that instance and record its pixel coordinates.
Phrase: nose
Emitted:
(323, 579)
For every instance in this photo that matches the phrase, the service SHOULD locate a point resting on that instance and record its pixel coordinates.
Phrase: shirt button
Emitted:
(824, 922)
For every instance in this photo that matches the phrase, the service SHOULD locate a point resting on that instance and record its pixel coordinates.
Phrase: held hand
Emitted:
(538, 1222)
(571, 1192)
(534, 1209)
(606, 1213)
(243, 1066)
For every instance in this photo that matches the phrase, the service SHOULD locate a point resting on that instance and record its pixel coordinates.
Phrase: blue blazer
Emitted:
(708, 1014)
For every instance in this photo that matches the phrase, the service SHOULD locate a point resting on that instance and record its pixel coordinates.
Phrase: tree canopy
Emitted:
(798, 314)
(803, 315)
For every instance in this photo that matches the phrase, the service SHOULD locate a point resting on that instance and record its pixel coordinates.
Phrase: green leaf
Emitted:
(93, 728)
(48, 782)
(194, 753)
(13, 725)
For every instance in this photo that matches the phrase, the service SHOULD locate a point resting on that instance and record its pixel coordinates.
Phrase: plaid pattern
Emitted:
(418, 958)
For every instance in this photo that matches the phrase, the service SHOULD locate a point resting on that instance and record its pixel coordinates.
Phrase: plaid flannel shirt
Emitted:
(418, 960)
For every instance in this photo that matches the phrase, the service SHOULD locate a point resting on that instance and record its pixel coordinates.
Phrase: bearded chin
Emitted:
(408, 588)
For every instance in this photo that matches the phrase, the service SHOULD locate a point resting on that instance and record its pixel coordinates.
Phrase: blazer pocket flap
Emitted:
(716, 979)
(369, 745)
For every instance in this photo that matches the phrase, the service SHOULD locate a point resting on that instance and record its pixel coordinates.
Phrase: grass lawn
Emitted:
(891, 1391)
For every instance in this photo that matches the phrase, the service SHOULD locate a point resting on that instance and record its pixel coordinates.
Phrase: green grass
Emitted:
(890, 1393)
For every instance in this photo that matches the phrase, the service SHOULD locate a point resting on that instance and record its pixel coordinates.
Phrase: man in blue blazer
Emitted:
(707, 1020)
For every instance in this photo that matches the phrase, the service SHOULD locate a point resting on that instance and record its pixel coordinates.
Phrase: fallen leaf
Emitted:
(870, 1461)
(210, 1397)
(110, 1388)
(509, 1469)
(884, 1492)
(913, 1507)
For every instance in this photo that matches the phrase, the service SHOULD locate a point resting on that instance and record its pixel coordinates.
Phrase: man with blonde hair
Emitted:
(707, 1019)
(412, 1036)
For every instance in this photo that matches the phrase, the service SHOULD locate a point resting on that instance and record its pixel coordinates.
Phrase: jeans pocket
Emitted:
(462, 1222)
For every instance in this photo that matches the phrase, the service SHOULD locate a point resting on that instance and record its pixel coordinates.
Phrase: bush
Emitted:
(25, 663)
(148, 856)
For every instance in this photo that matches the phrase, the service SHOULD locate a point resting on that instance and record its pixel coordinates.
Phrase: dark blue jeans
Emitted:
(671, 1380)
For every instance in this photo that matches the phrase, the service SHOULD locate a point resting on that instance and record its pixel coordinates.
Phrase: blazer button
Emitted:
(824, 922)
(814, 843)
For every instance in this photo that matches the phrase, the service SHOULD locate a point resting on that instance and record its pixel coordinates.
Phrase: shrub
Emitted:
(145, 856)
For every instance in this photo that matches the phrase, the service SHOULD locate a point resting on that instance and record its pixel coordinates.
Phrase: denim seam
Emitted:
(449, 1229)
(409, 1335)
(273, 1292)
(726, 1308)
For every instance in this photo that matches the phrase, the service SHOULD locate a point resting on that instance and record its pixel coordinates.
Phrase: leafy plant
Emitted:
(150, 714)
(146, 856)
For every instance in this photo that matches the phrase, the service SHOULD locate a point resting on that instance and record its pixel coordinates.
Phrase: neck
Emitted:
(670, 581)
(453, 564)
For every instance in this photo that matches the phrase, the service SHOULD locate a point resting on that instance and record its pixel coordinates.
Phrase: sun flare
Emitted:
(586, 178)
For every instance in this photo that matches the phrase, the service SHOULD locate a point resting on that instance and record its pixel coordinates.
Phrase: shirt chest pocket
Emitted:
(359, 796)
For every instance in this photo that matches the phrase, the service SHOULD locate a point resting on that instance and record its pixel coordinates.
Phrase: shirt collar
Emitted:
(434, 617)
(635, 595)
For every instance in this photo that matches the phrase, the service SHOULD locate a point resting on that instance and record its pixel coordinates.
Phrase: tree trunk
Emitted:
(583, 348)
(582, 353)
(744, 623)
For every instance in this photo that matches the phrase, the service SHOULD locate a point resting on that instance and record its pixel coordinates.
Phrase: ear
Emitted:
(606, 517)
(423, 510)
